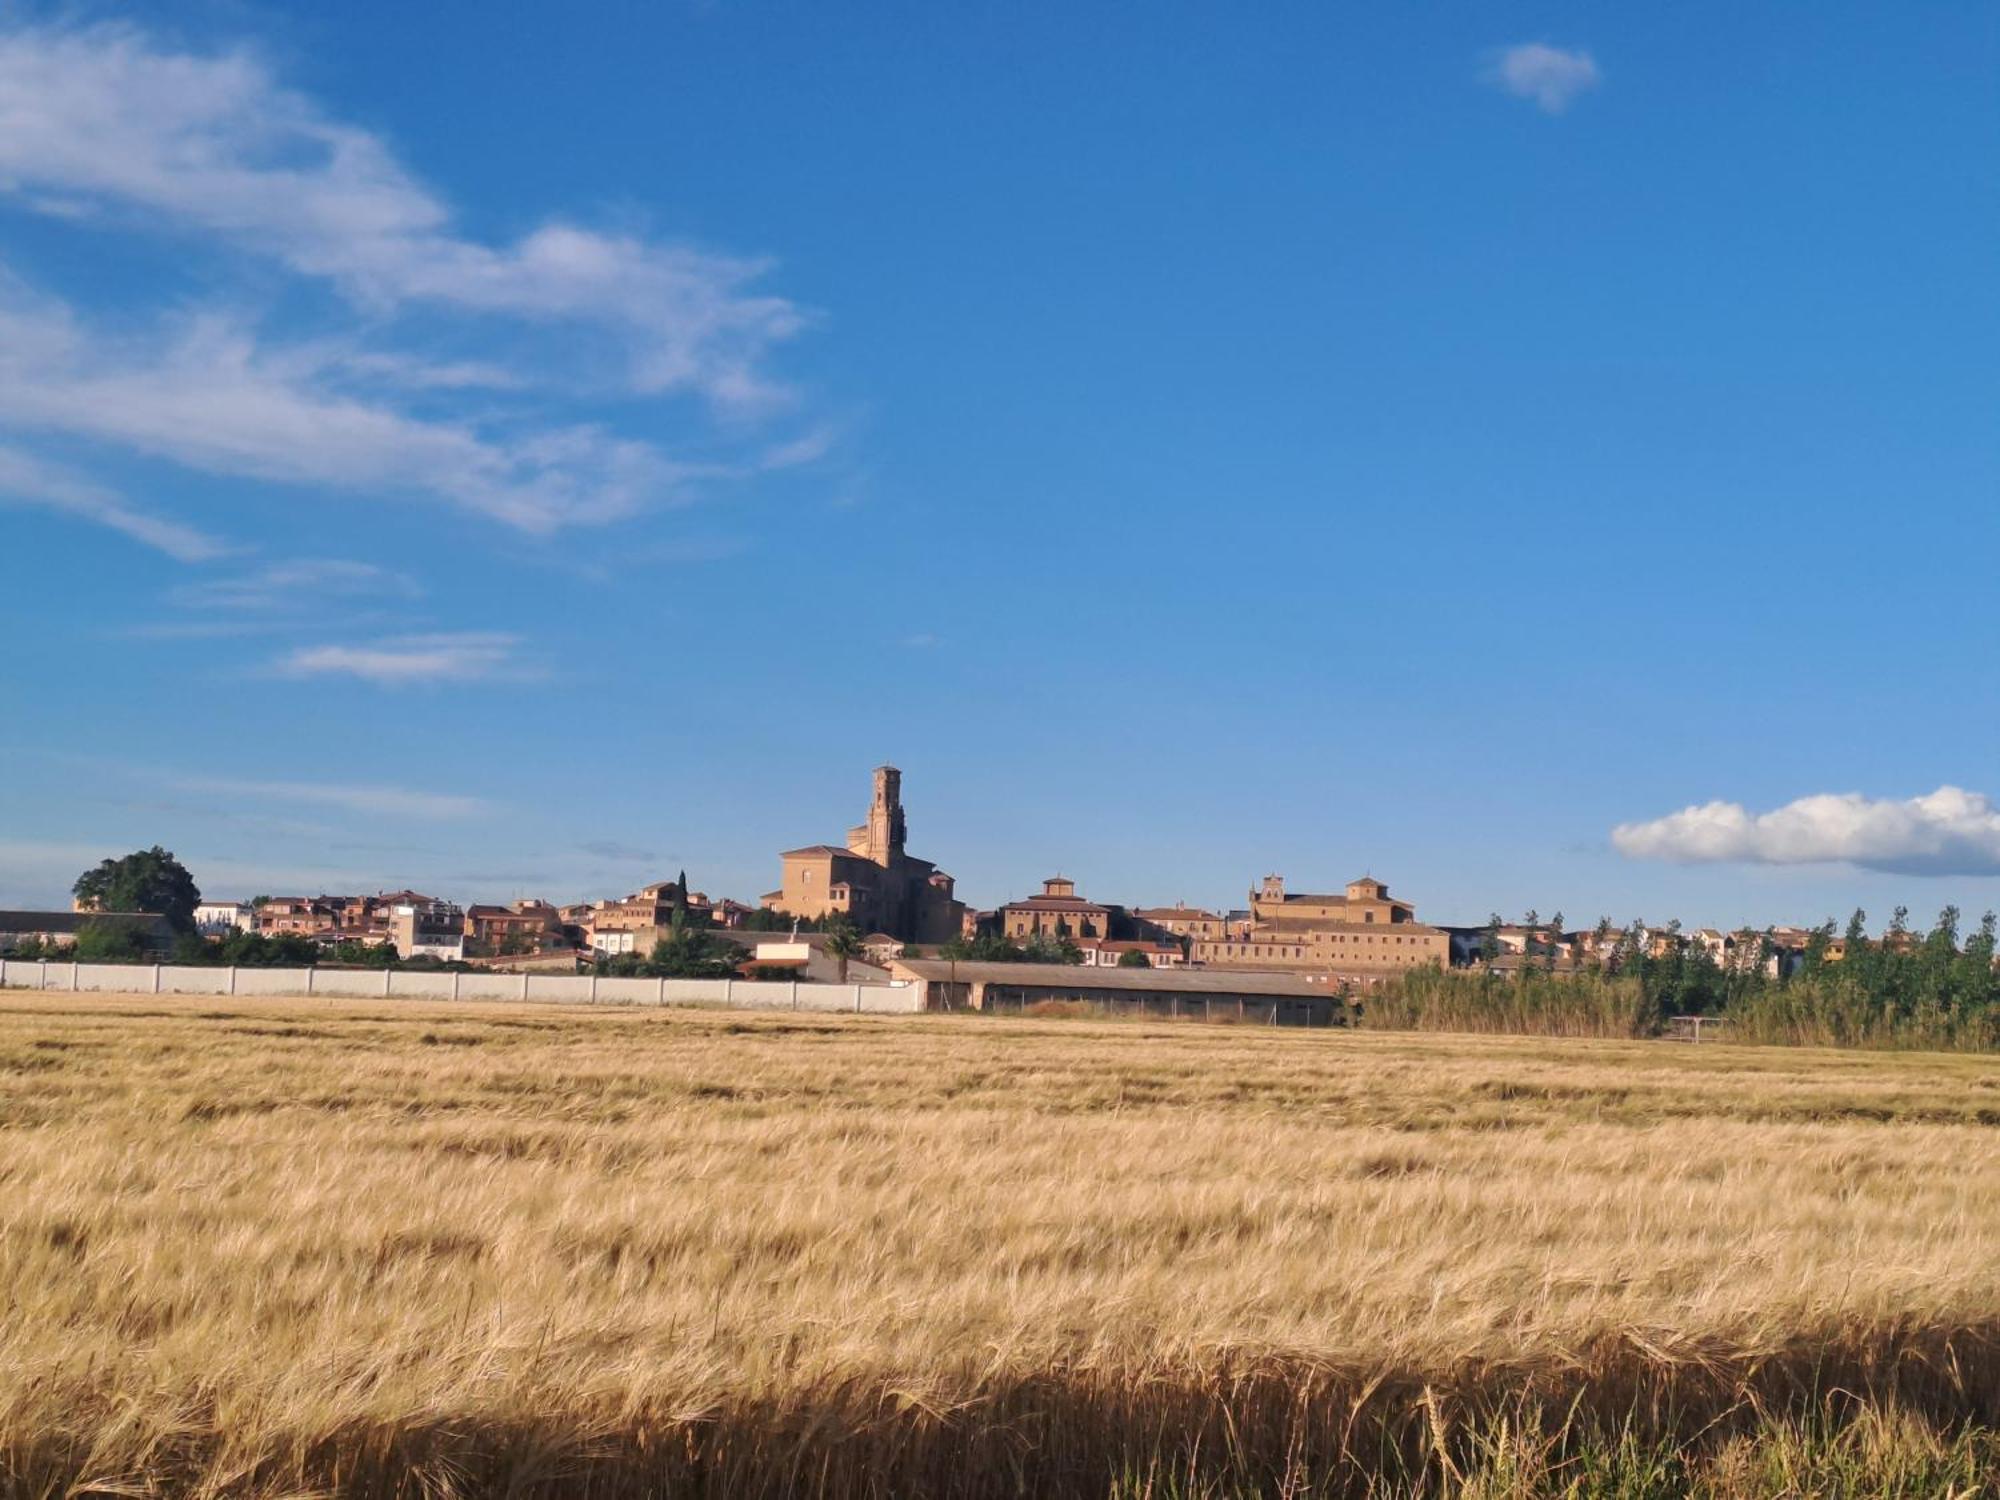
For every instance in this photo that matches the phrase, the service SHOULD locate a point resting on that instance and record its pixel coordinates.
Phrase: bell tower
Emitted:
(885, 817)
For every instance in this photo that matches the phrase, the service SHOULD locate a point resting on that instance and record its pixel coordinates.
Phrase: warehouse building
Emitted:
(1191, 994)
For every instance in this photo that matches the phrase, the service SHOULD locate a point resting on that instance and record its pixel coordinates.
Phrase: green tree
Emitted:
(109, 943)
(843, 943)
(364, 955)
(150, 880)
(1132, 958)
(253, 950)
(1045, 949)
(1489, 941)
(691, 952)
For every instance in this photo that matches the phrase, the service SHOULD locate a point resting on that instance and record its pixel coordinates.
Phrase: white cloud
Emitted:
(108, 128)
(1947, 832)
(105, 118)
(465, 656)
(412, 372)
(208, 397)
(27, 480)
(371, 798)
(286, 585)
(1551, 76)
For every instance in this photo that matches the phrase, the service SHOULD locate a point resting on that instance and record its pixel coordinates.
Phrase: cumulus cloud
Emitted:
(1551, 76)
(1947, 832)
(398, 661)
(107, 120)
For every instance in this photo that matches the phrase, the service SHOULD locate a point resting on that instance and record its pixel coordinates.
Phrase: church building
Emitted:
(872, 881)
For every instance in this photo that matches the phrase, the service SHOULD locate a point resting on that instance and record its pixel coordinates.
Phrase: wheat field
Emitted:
(328, 1247)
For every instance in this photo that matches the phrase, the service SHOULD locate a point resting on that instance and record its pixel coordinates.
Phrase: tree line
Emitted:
(1936, 989)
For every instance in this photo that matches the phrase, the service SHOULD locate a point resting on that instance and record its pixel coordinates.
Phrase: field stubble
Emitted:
(278, 1247)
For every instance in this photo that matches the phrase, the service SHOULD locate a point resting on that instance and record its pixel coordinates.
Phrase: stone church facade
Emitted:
(873, 881)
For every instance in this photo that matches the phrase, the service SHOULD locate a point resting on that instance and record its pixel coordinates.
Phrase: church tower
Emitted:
(885, 817)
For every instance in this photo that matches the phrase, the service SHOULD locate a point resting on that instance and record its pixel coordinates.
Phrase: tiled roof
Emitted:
(1053, 903)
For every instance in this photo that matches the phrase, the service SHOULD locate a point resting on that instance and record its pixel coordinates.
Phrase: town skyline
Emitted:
(1465, 446)
(471, 888)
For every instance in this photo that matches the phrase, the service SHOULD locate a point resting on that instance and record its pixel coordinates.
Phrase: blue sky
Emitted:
(534, 454)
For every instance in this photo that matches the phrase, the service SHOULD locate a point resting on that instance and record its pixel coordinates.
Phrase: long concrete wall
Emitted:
(399, 984)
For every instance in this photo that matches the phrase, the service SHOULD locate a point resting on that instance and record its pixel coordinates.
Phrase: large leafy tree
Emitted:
(148, 880)
(690, 951)
(108, 943)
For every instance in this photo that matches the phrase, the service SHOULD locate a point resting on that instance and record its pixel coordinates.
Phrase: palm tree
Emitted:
(843, 942)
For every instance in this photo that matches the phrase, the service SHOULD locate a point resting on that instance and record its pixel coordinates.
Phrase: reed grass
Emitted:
(332, 1247)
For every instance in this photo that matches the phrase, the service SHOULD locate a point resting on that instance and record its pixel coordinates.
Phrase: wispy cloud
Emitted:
(1551, 76)
(205, 394)
(107, 118)
(398, 394)
(288, 584)
(371, 798)
(27, 480)
(612, 849)
(1947, 832)
(399, 661)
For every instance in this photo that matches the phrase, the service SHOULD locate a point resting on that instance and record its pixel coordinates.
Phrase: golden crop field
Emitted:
(334, 1247)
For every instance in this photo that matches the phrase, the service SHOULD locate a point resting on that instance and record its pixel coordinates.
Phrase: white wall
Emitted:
(744, 994)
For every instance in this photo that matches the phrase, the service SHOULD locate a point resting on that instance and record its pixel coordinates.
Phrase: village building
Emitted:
(1358, 937)
(280, 916)
(1266, 999)
(1183, 921)
(427, 929)
(59, 929)
(1057, 913)
(522, 927)
(650, 906)
(221, 918)
(873, 881)
(1110, 953)
(880, 947)
(336, 919)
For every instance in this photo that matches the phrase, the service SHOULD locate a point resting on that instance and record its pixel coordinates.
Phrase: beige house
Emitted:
(1358, 937)
(427, 929)
(872, 881)
(1183, 921)
(1057, 912)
